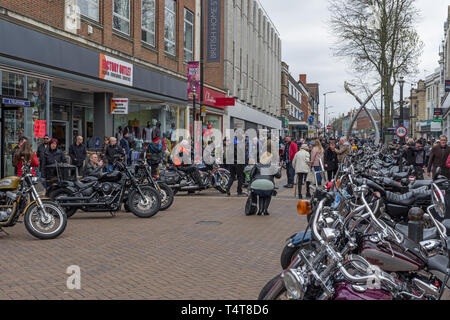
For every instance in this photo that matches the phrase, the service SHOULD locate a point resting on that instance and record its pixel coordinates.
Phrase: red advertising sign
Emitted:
(211, 97)
(40, 127)
(193, 80)
(226, 102)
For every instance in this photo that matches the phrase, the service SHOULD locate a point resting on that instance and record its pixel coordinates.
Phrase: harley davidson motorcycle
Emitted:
(143, 174)
(43, 218)
(211, 175)
(107, 192)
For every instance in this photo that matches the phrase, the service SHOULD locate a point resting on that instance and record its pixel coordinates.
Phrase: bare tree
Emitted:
(379, 37)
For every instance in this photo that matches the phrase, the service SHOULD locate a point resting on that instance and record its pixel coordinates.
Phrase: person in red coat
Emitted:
(290, 150)
(25, 153)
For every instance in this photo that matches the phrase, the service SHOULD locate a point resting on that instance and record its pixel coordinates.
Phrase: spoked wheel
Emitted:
(280, 294)
(224, 180)
(167, 195)
(147, 206)
(43, 227)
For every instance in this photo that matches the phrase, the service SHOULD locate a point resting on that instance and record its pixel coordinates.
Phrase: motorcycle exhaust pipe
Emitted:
(73, 204)
(73, 198)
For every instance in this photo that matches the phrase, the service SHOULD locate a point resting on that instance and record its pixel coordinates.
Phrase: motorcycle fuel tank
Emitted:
(345, 291)
(9, 183)
(391, 257)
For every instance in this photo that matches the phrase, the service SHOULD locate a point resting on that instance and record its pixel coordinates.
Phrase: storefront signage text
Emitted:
(40, 127)
(119, 106)
(213, 36)
(16, 102)
(116, 70)
(193, 80)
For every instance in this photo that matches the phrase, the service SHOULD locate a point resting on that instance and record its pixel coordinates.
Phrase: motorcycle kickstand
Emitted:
(1, 230)
(113, 214)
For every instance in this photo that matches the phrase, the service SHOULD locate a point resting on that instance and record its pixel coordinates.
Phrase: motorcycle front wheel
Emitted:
(224, 180)
(281, 293)
(145, 207)
(167, 196)
(50, 229)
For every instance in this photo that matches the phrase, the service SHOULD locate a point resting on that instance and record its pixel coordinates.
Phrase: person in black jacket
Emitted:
(94, 166)
(112, 150)
(238, 165)
(331, 161)
(410, 153)
(51, 156)
(78, 153)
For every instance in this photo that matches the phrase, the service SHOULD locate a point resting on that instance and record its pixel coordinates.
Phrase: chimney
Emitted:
(303, 78)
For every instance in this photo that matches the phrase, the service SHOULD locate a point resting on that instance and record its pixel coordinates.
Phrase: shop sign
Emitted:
(193, 80)
(119, 106)
(438, 112)
(447, 85)
(115, 70)
(16, 102)
(436, 126)
(210, 98)
(213, 31)
(40, 127)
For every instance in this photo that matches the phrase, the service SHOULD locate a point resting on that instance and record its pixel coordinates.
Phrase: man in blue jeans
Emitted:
(289, 153)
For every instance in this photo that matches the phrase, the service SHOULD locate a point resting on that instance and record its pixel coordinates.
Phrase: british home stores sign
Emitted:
(116, 70)
(213, 34)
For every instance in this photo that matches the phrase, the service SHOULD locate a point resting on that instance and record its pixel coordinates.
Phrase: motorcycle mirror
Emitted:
(438, 201)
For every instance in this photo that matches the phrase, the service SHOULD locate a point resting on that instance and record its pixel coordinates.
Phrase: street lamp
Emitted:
(401, 122)
(326, 113)
(325, 109)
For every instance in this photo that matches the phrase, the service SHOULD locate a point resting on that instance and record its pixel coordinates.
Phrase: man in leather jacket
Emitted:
(178, 161)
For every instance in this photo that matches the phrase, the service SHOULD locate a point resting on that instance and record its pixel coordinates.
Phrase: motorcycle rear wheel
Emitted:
(142, 209)
(70, 211)
(45, 230)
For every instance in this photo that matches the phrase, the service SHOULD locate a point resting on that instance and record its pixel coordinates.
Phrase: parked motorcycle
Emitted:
(43, 218)
(212, 176)
(107, 193)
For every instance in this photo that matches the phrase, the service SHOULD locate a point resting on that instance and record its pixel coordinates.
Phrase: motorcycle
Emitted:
(107, 192)
(143, 174)
(211, 175)
(43, 218)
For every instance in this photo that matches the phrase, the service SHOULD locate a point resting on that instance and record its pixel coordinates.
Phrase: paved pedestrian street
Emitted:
(203, 247)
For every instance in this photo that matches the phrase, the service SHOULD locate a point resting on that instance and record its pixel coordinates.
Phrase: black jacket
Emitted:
(331, 160)
(111, 151)
(90, 170)
(51, 157)
(78, 154)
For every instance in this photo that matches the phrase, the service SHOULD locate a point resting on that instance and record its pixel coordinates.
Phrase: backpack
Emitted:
(155, 147)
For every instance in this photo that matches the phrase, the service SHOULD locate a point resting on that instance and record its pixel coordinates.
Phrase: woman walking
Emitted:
(301, 166)
(317, 159)
(25, 153)
(331, 161)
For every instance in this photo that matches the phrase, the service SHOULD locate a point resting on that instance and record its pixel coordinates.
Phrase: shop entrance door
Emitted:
(60, 131)
(12, 128)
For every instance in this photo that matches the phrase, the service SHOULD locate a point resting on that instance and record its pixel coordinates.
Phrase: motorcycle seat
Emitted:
(446, 224)
(409, 198)
(438, 263)
(400, 175)
(428, 234)
(82, 185)
(421, 183)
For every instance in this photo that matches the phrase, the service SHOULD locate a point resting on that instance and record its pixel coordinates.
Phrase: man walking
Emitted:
(237, 167)
(438, 157)
(290, 150)
(78, 153)
(343, 151)
(125, 145)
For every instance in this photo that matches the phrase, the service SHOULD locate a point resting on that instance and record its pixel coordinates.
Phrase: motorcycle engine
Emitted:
(109, 188)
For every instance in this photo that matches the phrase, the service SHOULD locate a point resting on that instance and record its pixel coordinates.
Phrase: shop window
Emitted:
(13, 84)
(170, 27)
(148, 21)
(89, 8)
(188, 35)
(121, 16)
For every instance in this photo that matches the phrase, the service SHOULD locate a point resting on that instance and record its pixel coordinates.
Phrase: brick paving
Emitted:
(170, 256)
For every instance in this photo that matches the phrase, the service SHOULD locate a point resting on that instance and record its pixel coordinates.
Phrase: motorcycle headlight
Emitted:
(294, 283)
(35, 180)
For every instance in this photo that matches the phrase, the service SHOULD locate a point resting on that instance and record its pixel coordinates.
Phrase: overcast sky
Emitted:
(307, 43)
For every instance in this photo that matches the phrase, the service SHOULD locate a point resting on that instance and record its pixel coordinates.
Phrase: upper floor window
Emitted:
(13, 84)
(121, 16)
(89, 8)
(188, 35)
(170, 27)
(148, 21)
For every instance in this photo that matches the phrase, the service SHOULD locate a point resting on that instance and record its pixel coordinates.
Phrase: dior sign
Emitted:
(213, 33)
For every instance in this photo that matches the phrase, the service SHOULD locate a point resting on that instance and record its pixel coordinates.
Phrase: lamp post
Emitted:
(325, 110)
(401, 121)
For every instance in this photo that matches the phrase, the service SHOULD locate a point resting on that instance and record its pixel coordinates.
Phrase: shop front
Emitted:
(241, 116)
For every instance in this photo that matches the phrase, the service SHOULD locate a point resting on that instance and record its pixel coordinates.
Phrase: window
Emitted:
(89, 8)
(170, 27)
(121, 16)
(13, 84)
(188, 35)
(148, 21)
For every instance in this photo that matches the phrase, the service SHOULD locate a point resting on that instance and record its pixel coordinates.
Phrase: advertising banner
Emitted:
(40, 127)
(193, 80)
(119, 106)
(213, 31)
(115, 70)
